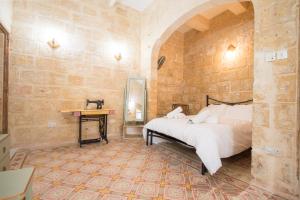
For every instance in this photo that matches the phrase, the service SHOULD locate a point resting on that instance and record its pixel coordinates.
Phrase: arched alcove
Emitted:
(275, 104)
(164, 35)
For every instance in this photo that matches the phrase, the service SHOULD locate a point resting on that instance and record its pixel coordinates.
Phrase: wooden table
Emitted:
(85, 115)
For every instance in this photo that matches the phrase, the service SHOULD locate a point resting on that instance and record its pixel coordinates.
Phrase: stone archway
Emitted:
(275, 154)
(152, 74)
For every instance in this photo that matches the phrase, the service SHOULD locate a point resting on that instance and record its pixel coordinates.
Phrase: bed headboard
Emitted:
(209, 99)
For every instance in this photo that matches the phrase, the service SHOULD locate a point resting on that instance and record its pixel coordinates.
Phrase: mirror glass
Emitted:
(135, 100)
(1, 78)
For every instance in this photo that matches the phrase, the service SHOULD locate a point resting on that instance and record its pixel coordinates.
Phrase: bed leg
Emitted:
(203, 169)
(151, 138)
(147, 137)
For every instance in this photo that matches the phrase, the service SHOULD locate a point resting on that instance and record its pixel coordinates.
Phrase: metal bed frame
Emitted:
(152, 133)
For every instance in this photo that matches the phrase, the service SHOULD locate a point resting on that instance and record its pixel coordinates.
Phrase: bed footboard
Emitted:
(149, 140)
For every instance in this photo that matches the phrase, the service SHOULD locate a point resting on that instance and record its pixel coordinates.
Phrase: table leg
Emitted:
(105, 129)
(80, 129)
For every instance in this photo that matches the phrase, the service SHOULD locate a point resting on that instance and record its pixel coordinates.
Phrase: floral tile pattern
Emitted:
(130, 170)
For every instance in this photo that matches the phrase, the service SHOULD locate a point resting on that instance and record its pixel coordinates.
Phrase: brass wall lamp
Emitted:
(118, 57)
(53, 43)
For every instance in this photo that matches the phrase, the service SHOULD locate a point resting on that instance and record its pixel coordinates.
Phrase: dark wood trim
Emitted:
(5, 79)
(151, 133)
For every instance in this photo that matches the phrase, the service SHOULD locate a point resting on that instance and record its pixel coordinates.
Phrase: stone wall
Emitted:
(44, 81)
(208, 71)
(197, 65)
(275, 154)
(170, 76)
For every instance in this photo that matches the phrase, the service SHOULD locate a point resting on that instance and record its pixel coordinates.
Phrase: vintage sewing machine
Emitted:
(99, 103)
(100, 115)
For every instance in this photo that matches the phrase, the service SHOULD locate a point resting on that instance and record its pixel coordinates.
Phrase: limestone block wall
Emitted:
(197, 65)
(207, 68)
(275, 154)
(44, 80)
(170, 82)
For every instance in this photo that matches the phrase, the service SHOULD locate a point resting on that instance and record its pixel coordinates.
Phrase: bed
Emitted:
(212, 140)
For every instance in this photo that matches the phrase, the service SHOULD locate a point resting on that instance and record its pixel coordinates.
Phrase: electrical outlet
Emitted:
(51, 124)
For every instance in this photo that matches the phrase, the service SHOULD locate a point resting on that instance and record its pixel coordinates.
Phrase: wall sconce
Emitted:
(230, 53)
(53, 44)
(118, 56)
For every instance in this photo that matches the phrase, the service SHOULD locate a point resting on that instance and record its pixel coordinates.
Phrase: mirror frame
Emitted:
(5, 80)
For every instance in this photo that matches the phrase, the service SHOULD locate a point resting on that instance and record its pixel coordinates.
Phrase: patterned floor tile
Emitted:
(60, 192)
(98, 182)
(121, 186)
(151, 175)
(69, 166)
(56, 175)
(39, 187)
(175, 193)
(130, 173)
(131, 170)
(75, 179)
(85, 195)
(175, 178)
(113, 197)
(110, 171)
(89, 168)
(41, 171)
(148, 189)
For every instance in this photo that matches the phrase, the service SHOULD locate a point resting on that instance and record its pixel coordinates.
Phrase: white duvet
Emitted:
(212, 141)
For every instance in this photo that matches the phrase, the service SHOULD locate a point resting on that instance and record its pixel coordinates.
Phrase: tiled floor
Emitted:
(130, 170)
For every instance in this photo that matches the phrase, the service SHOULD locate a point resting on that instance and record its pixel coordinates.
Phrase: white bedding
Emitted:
(212, 141)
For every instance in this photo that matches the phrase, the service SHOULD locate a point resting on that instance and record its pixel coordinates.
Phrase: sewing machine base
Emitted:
(102, 119)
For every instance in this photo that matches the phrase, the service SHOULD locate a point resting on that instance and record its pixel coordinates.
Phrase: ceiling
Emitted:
(139, 5)
(201, 22)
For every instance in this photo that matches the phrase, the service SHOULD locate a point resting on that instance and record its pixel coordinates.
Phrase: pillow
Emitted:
(201, 116)
(217, 110)
(174, 112)
(212, 119)
(239, 112)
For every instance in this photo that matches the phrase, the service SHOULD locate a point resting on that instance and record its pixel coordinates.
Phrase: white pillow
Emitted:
(217, 110)
(213, 119)
(201, 116)
(239, 112)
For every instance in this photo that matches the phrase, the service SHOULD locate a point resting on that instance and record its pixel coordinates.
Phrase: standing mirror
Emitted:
(134, 107)
(3, 78)
(135, 98)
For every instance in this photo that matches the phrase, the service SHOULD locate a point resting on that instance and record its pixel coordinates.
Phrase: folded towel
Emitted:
(174, 112)
(179, 116)
(201, 116)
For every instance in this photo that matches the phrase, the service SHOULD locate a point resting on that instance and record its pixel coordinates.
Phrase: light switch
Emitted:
(51, 124)
(270, 56)
(282, 54)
